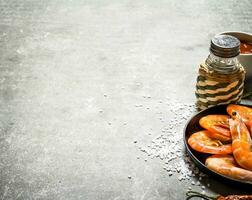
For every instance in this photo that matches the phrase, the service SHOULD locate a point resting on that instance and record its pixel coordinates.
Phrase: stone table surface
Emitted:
(94, 94)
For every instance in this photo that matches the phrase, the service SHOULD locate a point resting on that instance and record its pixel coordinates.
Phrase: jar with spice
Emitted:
(221, 77)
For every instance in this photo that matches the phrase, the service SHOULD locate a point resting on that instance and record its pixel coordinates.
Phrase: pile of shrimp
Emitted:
(228, 139)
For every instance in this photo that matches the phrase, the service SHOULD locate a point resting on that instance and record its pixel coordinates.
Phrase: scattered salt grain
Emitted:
(169, 146)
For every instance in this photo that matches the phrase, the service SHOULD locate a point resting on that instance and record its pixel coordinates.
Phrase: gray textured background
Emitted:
(70, 75)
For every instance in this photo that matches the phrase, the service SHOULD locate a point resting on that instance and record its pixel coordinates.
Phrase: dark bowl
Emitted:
(193, 126)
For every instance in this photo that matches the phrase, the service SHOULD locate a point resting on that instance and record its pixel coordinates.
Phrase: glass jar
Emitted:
(221, 77)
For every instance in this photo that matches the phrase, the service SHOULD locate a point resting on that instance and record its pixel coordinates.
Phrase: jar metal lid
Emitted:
(225, 46)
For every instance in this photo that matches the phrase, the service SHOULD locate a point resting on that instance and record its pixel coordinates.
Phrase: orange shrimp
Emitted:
(241, 143)
(245, 113)
(200, 141)
(218, 126)
(226, 165)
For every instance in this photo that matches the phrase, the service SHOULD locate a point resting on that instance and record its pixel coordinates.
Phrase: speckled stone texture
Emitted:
(71, 75)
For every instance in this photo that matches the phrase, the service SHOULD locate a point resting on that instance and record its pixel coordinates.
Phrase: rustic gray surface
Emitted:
(71, 73)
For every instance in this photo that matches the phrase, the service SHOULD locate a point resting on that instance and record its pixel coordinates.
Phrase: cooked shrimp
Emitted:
(226, 165)
(241, 143)
(245, 113)
(218, 126)
(200, 141)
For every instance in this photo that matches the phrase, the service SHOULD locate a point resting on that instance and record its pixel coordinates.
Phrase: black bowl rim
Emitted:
(201, 165)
